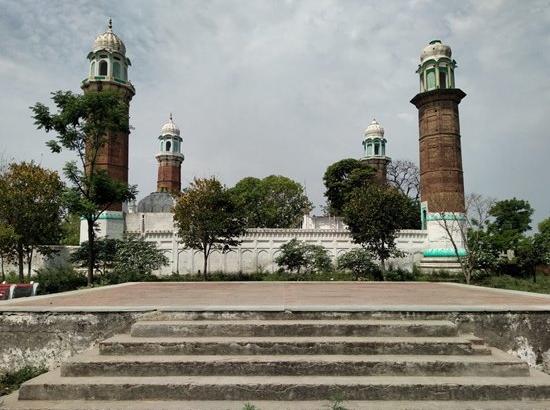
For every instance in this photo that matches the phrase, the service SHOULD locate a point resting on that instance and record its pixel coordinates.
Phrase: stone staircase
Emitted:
(288, 361)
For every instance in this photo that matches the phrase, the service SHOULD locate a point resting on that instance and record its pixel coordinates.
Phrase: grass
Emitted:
(11, 381)
(542, 285)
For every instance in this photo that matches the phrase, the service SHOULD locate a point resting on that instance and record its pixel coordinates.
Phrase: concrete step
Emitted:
(11, 402)
(127, 345)
(264, 328)
(91, 363)
(51, 386)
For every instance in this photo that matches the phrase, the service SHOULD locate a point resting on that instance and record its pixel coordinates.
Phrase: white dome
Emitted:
(170, 128)
(435, 49)
(109, 41)
(374, 130)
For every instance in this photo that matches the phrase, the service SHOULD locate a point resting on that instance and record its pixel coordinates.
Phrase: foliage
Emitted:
(359, 262)
(248, 406)
(337, 401)
(400, 275)
(207, 218)
(129, 259)
(411, 214)
(70, 228)
(11, 381)
(296, 255)
(341, 178)
(105, 251)
(542, 285)
(82, 125)
(136, 259)
(405, 176)
(31, 210)
(273, 202)
(8, 240)
(374, 215)
(512, 218)
(59, 279)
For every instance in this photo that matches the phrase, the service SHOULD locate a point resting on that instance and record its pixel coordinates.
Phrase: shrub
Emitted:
(59, 279)
(359, 262)
(400, 275)
(297, 255)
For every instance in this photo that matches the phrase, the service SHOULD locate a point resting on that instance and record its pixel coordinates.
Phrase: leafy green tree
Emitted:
(31, 209)
(512, 219)
(105, 252)
(81, 124)
(296, 255)
(343, 177)
(359, 262)
(374, 215)
(71, 230)
(272, 202)
(136, 259)
(8, 239)
(207, 218)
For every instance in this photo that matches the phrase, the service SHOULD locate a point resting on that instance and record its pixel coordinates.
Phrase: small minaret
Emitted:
(441, 176)
(169, 158)
(108, 70)
(374, 146)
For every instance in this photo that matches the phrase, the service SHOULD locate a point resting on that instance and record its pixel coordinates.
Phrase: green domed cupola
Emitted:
(436, 67)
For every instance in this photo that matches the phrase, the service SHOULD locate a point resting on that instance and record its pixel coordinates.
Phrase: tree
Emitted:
(471, 230)
(105, 253)
(405, 176)
(296, 255)
(208, 219)
(374, 215)
(272, 202)
(512, 218)
(341, 178)
(71, 230)
(359, 262)
(32, 209)
(8, 239)
(81, 125)
(136, 259)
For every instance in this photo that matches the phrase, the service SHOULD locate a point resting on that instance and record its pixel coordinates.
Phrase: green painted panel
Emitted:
(444, 252)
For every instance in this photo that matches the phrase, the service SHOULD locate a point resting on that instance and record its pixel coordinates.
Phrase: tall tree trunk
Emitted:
(2, 268)
(20, 255)
(383, 268)
(91, 251)
(29, 263)
(205, 265)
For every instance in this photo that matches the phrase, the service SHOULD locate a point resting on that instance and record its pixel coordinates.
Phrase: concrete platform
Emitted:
(284, 296)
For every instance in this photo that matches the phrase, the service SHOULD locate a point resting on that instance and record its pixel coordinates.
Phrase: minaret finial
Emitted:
(110, 23)
(170, 116)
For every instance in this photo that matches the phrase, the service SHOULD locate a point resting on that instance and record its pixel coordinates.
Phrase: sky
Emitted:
(261, 87)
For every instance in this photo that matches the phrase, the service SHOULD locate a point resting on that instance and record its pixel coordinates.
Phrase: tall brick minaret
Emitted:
(441, 175)
(374, 146)
(109, 71)
(169, 158)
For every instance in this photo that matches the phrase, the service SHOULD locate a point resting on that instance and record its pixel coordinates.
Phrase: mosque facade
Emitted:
(441, 178)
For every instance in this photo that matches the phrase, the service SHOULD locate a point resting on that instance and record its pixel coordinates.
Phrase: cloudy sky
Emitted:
(263, 87)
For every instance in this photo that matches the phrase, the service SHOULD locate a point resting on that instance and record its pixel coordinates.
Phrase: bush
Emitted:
(297, 255)
(400, 275)
(359, 262)
(59, 279)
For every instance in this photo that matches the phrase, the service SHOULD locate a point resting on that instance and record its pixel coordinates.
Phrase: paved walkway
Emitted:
(277, 296)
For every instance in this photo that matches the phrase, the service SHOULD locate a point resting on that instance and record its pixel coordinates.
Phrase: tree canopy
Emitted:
(272, 202)
(511, 219)
(374, 215)
(81, 124)
(31, 210)
(207, 218)
(296, 255)
(341, 178)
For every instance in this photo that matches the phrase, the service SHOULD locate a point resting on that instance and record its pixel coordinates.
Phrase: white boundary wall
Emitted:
(260, 247)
